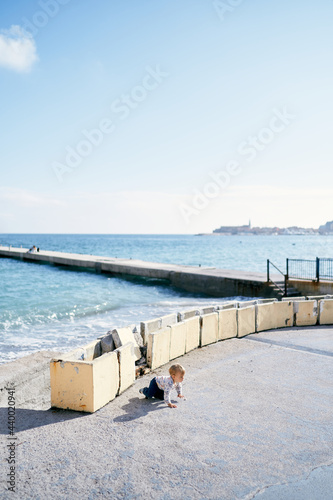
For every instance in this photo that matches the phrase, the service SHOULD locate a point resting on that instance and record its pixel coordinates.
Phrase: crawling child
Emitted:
(160, 387)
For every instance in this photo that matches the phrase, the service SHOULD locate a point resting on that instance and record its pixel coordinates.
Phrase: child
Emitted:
(160, 387)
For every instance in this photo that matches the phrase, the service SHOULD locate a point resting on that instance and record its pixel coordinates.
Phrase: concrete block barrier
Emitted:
(318, 297)
(147, 327)
(92, 350)
(158, 348)
(209, 329)
(227, 323)
(105, 379)
(207, 310)
(266, 301)
(107, 343)
(168, 320)
(122, 336)
(137, 335)
(305, 312)
(292, 299)
(246, 303)
(274, 315)
(184, 315)
(192, 340)
(325, 312)
(246, 320)
(126, 360)
(177, 340)
(84, 385)
(89, 377)
(72, 385)
(227, 305)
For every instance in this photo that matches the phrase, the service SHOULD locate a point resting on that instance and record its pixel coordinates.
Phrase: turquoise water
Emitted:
(46, 307)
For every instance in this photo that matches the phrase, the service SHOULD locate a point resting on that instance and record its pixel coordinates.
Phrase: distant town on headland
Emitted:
(248, 229)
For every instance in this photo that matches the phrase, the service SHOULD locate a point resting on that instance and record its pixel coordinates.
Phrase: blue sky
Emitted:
(164, 117)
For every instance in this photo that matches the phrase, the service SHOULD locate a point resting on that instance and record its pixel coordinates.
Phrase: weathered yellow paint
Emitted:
(192, 333)
(126, 360)
(246, 321)
(177, 340)
(305, 312)
(106, 379)
(72, 385)
(158, 348)
(209, 329)
(274, 315)
(227, 323)
(326, 312)
(84, 385)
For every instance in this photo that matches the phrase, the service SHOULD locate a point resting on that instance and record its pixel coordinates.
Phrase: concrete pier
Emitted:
(208, 280)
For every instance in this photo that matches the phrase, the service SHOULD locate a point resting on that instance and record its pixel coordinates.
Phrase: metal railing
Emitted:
(315, 270)
(283, 289)
(301, 269)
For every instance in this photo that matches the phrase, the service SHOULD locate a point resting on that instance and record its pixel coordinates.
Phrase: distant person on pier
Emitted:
(32, 249)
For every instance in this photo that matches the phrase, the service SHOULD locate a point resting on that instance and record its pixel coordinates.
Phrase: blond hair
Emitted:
(176, 369)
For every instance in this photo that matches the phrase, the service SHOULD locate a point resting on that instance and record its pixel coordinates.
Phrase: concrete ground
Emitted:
(257, 424)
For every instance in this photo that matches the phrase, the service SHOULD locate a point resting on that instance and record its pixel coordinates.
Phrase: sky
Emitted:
(138, 116)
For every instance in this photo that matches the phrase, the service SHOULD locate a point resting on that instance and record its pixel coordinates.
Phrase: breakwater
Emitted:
(197, 279)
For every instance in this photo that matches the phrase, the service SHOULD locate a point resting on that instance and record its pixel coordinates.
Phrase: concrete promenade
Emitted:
(208, 280)
(257, 424)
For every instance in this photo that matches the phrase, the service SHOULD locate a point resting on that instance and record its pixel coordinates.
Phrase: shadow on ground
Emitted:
(138, 407)
(29, 419)
(26, 419)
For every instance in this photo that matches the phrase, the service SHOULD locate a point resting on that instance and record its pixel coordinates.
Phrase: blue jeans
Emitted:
(153, 391)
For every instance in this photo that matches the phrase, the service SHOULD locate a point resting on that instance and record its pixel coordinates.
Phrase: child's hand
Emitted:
(172, 406)
(181, 396)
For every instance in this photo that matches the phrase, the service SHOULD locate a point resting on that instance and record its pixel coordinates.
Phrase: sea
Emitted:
(44, 307)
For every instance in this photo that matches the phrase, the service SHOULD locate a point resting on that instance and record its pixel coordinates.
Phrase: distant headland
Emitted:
(294, 230)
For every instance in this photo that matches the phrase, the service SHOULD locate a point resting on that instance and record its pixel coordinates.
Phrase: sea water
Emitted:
(54, 308)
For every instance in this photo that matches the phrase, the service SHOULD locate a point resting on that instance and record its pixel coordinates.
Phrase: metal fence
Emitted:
(318, 269)
(325, 269)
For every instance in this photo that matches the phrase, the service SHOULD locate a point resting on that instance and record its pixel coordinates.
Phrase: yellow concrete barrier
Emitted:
(319, 297)
(168, 320)
(305, 312)
(227, 319)
(122, 336)
(246, 320)
(126, 360)
(291, 299)
(274, 315)
(84, 385)
(209, 329)
(192, 340)
(88, 378)
(147, 327)
(184, 315)
(326, 312)
(158, 348)
(177, 340)
(207, 310)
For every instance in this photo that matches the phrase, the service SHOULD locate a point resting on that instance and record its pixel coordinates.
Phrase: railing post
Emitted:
(317, 268)
(267, 270)
(287, 269)
(285, 285)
